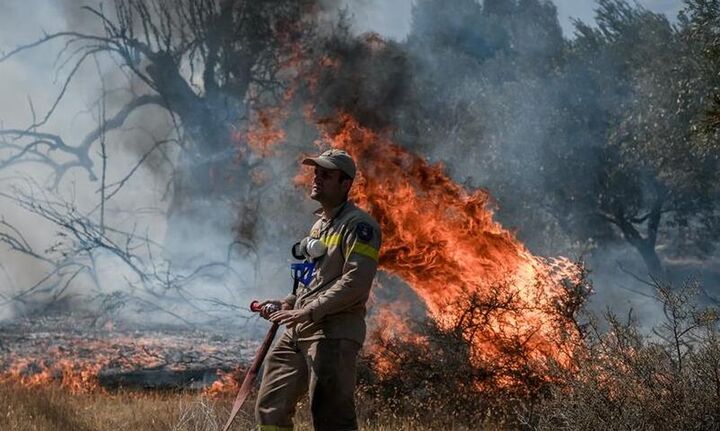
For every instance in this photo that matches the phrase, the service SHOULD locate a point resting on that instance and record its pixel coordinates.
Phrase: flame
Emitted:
(74, 362)
(264, 131)
(61, 365)
(442, 240)
(391, 324)
(75, 377)
(437, 236)
(226, 384)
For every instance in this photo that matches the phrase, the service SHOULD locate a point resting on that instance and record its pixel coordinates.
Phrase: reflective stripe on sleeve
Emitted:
(365, 250)
(332, 240)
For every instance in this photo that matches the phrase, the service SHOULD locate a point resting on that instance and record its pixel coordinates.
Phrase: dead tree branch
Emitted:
(82, 240)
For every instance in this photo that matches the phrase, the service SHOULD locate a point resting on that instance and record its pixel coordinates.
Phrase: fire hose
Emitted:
(307, 249)
(252, 372)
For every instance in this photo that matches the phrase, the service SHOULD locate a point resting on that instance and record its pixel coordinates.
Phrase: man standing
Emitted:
(325, 320)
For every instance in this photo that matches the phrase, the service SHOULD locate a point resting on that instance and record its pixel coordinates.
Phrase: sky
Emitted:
(392, 17)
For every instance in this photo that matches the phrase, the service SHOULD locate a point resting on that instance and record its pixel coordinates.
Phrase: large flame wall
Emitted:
(442, 240)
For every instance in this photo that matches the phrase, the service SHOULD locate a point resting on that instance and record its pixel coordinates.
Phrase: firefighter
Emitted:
(325, 320)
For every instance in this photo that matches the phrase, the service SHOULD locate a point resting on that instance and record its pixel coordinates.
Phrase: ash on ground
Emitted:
(74, 353)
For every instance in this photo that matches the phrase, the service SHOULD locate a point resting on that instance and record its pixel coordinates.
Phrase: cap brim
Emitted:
(318, 161)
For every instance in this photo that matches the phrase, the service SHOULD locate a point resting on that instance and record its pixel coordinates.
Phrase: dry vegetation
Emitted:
(51, 409)
(624, 378)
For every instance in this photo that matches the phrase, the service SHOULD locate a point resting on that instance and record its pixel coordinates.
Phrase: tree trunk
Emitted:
(651, 259)
(207, 180)
(209, 187)
(644, 245)
(211, 183)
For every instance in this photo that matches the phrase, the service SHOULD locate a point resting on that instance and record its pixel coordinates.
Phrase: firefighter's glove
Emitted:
(269, 307)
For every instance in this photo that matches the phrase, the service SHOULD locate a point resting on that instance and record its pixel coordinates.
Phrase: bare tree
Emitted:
(208, 63)
(149, 280)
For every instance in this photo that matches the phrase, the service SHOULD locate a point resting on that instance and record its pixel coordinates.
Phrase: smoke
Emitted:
(32, 80)
(489, 125)
(570, 10)
(493, 94)
(390, 19)
(27, 84)
(485, 90)
(161, 260)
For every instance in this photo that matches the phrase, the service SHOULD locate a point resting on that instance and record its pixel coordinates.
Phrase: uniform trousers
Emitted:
(325, 369)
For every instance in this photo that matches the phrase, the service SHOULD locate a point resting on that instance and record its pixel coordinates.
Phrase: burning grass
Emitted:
(70, 352)
(620, 378)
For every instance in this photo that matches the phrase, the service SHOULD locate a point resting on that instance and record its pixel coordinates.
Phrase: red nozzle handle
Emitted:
(255, 306)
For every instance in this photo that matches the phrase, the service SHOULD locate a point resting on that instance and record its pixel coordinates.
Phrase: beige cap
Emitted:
(333, 159)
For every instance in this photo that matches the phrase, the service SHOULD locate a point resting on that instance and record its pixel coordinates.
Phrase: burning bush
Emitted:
(625, 379)
(620, 377)
(432, 381)
(434, 371)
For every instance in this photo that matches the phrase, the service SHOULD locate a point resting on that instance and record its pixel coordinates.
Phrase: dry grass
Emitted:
(52, 409)
(25, 409)
(623, 378)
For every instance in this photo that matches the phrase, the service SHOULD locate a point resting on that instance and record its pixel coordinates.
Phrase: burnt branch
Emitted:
(30, 146)
(81, 240)
(205, 62)
(118, 185)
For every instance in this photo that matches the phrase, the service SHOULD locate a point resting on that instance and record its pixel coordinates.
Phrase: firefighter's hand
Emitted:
(291, 318)
(269, 307)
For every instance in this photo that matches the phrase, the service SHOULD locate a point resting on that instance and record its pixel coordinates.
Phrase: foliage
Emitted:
(435, 371)
(589, 141)
(622, 376)
(627, 379)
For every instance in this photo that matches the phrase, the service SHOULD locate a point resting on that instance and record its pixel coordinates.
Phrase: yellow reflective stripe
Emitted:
(365, 250)
(273, 428)
(332, 240)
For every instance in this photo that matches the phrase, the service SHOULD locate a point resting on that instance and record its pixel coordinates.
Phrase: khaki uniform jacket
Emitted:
(343, 276)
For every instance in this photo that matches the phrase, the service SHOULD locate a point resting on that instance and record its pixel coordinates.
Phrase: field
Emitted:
(24, 409)
(622, 377)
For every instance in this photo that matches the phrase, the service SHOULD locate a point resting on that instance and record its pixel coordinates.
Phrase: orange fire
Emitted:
(227, 384)
(264, 131)
(71, 375)
(75, 362)
(437, 236)
(72, 366)
(392, 324)
(442, 240)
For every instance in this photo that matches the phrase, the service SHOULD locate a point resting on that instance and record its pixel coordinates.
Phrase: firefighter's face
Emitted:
(329, 186)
